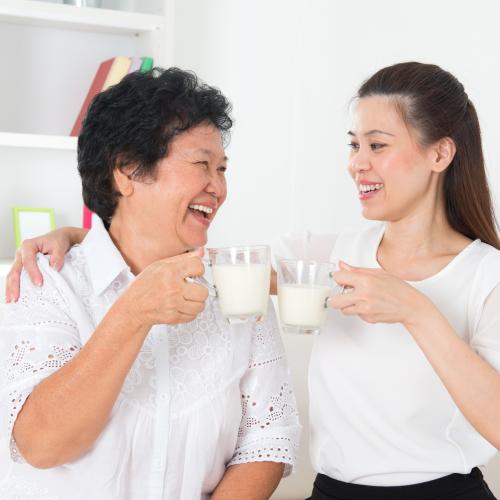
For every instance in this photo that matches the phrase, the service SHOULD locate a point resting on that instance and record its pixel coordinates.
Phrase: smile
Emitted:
(367, 188)
(201, 208)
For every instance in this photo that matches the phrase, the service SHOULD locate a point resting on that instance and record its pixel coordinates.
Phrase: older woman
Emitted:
(120, 379)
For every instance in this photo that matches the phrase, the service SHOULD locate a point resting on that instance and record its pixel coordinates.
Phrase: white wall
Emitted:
(291, 67)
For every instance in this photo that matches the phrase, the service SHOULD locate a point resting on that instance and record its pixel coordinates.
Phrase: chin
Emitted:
(197, 241)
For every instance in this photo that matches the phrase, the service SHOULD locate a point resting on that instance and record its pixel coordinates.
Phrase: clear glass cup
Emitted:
(304, 287)
(242, 277)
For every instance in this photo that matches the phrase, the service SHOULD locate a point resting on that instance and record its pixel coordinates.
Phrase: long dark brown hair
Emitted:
(436, 105)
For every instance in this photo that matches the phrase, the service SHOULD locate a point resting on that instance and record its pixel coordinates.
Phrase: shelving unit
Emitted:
(38, 13)
(37, 141)
(52, 52)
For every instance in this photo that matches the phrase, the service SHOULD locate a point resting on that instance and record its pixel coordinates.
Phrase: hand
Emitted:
(377, 297)
(55, 244)
(160, 294)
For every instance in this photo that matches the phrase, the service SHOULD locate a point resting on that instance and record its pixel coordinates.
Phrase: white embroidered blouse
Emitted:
(199, 397)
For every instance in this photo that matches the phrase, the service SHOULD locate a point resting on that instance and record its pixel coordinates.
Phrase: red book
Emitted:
(95, 88)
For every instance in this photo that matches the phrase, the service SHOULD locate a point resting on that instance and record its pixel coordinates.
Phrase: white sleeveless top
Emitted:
(379, 413)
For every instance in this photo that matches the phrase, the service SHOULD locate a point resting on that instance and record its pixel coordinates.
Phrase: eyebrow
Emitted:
(371, 132)
(208, 153)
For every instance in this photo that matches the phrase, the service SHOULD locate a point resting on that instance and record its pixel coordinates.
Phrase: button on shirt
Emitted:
(200, 396)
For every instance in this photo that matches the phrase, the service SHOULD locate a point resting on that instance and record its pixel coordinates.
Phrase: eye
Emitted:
(202, 164)
(354, 146)
(222, 169)
(376, 146)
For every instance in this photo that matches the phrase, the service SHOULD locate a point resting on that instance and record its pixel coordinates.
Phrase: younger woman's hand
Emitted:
(377, 297)
(55, 244)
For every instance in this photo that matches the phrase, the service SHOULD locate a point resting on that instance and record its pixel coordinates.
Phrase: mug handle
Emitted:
(212, 290)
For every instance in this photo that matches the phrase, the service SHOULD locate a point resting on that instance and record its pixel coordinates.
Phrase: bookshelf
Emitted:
(52, 15)
(52, 52)
(37, 141)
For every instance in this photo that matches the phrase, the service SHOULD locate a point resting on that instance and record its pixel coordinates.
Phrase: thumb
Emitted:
(197, 252)
(345, 266)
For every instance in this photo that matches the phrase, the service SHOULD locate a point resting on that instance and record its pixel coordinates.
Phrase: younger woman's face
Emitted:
(392, 172)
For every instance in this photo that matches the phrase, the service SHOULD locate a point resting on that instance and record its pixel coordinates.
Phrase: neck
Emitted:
(423, 232)
(137, 245)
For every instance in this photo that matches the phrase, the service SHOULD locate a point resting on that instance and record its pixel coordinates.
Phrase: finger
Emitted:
(193, 267)
(342, 301)
(56, 261)
(344, 266)
(191, 308)
(346, 278)
(351, 310)
(28, 255)
(185, 318)
(195, 292)
(13, 279)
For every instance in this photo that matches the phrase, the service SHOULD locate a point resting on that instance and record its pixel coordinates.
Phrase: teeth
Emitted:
(366, 188)
(201, 208)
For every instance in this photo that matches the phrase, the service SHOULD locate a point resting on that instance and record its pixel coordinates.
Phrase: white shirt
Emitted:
(379, 413)
(200, 396)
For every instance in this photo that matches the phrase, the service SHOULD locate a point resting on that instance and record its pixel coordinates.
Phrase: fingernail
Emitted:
(38, 282)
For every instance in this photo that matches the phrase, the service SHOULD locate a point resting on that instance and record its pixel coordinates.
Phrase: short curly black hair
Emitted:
(133, 123)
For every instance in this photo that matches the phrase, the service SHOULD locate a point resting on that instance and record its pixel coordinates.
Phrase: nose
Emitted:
(216, 186)
(359, 163)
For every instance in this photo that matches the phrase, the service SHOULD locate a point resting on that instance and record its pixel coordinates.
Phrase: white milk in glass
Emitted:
(243, 289)
(303, 305)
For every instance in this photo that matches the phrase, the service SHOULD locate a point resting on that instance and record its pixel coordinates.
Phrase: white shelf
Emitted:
(38, 141)
(85, 18)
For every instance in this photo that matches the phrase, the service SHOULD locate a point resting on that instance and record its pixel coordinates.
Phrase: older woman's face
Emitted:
(189, 187)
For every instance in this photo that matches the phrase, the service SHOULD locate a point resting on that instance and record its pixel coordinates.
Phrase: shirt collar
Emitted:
(105, 262)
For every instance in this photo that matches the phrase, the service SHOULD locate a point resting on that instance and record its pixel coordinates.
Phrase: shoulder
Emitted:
(487, 259)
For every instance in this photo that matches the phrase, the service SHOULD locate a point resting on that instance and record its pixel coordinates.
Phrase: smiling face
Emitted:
(394, 175)
(174, 210)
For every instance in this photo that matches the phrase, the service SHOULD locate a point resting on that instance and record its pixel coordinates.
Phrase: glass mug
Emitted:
(242, 277)
(304, 287)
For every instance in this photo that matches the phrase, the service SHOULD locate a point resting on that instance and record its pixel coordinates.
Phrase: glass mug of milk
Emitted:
(303, 291)
(242, 277)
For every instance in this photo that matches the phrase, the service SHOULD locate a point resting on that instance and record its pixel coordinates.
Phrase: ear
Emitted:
(443, 153)
(123, 182)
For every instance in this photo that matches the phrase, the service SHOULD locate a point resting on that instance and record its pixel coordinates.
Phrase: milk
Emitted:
(243, 289)
(303, 305)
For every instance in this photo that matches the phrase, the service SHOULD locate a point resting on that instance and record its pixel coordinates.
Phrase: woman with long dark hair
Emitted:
(404, 383)
(404, 389)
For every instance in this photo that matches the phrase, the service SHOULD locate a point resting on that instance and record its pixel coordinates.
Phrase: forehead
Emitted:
(377, 113)
(203, 139)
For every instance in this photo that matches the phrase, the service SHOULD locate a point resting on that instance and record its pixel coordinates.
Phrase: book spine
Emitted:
(147, 64)
(95, 88)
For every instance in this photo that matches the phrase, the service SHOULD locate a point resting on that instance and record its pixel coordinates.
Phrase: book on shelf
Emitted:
(109, 72)
(147, 64)
(95, 88)
(135, 65)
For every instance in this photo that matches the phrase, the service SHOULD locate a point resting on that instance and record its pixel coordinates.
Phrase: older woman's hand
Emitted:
(55, 244)
(377, 297)
(161, 295)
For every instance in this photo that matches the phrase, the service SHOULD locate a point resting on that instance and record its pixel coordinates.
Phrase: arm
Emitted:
(471, 381)
(475, 385)
(252, 481)
(66, 412)
(269, 428)
(56, 244)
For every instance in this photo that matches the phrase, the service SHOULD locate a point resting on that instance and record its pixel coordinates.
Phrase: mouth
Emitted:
(367, 191)
(202, 213)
